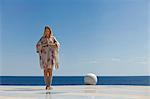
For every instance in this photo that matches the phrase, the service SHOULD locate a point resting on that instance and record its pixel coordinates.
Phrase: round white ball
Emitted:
(90, 79)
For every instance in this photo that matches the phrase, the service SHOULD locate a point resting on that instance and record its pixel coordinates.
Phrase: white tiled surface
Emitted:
(75, 92)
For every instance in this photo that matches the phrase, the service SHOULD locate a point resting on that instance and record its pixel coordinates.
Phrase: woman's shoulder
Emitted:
(53, 37)
(42, 38)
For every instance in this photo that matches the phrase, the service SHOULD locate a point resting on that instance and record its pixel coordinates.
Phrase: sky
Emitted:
(104, 37)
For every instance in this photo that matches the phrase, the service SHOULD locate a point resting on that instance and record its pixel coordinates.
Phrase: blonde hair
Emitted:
(47, 27)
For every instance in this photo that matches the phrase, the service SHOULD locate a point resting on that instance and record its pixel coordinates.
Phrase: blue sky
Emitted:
(105, 37)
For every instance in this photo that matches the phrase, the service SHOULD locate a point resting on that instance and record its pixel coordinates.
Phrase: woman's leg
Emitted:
(48, 78)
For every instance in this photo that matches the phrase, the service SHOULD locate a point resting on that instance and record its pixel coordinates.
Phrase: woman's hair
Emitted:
(47, 27)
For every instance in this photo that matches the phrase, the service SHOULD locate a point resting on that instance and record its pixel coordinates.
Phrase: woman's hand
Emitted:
(56, 65)
(54, 45)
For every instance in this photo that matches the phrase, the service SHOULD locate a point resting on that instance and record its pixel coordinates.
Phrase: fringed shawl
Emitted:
(48, 49)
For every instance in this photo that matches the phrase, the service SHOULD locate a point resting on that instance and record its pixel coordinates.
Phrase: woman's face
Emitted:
(47, 33)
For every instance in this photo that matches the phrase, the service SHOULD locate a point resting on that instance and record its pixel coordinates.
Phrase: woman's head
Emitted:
(47, 31)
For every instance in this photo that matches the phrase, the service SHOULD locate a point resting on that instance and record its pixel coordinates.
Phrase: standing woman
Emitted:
(48, 48)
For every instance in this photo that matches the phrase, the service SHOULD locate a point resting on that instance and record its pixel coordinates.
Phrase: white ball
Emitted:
(90, 79)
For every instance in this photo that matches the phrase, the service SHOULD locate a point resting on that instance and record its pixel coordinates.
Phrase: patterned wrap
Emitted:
(48, 49)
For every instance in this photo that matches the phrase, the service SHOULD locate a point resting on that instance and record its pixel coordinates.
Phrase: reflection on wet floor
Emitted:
(51, 92)
(75, 92)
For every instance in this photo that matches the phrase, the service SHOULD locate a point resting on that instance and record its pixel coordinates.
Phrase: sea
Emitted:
(75, 80)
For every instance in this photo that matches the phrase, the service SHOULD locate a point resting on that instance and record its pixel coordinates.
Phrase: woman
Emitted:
(48, 47)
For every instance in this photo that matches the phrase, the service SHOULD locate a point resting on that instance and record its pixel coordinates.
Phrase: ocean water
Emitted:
(75, 80)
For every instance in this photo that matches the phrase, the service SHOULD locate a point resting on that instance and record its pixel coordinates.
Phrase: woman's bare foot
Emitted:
(48, 88)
